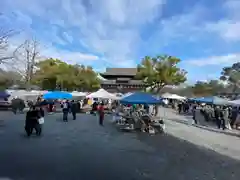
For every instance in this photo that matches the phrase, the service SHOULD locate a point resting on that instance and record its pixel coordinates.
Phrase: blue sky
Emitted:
(118, 33)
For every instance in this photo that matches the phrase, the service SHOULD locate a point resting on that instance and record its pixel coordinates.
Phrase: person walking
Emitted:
(28, 123)
(50, 106)
(74, 107)
(179, 108)
(237, 121)
(15, 105)
(224, 117)
(65, 109)
(31, 121)
(194, 111)
(217, 113)
(101, 114)
(40, 121)
(94, 108)
(234, 115)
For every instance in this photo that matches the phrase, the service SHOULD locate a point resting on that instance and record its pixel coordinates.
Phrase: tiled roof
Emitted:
(114, 82)
(121, 71)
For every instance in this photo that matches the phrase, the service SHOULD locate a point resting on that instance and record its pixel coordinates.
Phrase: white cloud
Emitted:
(68, 37)
(46, 51)
(215, 60)
(180, 25)
(228, 27)
(196, 24)
(110, 28)
(186, 27)
(68, 56)
(232, 7)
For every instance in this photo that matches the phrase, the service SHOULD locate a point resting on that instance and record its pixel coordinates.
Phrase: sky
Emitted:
(204, 34)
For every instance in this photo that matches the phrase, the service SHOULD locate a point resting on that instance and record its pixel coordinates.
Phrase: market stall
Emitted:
(138, 118)
(102, 94)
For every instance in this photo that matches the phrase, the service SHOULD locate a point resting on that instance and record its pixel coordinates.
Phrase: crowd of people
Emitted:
(35, 114)
(225, 117)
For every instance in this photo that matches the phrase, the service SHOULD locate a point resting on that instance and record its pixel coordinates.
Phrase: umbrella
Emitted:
(57, 95)
(4, 95)
(140, 98)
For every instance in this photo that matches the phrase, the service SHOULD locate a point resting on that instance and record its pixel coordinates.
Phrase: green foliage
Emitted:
(232, 76)
(8, 78)
(204, 88)
(160, 71)
(207, 88)
(54, 73)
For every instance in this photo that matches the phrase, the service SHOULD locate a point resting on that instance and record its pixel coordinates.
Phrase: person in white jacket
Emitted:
(237, 122)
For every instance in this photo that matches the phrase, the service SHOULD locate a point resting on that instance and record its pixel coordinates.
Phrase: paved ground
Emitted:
(83, 150)
(171, 114)
(214, 140)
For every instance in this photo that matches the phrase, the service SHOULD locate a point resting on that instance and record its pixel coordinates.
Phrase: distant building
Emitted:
(121, 80)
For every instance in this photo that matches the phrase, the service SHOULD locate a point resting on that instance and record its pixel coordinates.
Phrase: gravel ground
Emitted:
(83, 150)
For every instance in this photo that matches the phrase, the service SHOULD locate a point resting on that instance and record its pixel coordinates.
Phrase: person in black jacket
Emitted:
(31, 122)
(217, 114)
(74, 107)
(94, 108)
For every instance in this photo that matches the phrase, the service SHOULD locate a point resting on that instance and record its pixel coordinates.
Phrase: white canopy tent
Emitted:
(235, 102)
(25, 95)
(172, 96)
(78, 94)
(175, 96)
(102, 94)
(126, 95)
(166, 95)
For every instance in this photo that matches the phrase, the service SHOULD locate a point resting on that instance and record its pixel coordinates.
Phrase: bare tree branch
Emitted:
(4, 42)
(25, 57)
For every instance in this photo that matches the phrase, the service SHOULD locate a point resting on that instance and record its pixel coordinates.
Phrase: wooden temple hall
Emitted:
(121, 80)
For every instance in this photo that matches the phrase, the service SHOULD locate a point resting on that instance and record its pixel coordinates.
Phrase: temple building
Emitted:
(121, 80)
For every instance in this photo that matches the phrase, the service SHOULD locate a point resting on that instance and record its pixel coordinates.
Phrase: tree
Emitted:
(160, 71)
(54, 73)
(24, 60)
(4, 37)
(207, 88)
(8, 78)
(232, 76)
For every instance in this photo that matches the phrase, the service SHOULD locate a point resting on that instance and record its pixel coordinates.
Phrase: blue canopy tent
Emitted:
(4, 94)
(57, 95)
(140, 98)
(198, 99)
(212, 100)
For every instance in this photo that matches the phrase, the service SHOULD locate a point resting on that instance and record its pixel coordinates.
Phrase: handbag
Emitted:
(151, 130)
(41, 120)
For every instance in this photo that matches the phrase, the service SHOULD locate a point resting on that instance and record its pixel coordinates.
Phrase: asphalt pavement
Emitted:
(82, 149)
